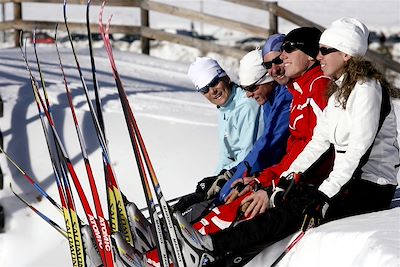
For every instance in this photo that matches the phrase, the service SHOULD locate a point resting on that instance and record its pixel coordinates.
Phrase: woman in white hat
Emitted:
(359, 122)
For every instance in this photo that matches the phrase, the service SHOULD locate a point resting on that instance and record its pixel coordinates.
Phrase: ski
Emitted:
(69, 211)
(105, 244)
(118, 216)
(111, 202)
(137, 141)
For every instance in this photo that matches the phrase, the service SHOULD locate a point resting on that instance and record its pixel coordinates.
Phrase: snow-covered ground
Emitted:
(180, 130)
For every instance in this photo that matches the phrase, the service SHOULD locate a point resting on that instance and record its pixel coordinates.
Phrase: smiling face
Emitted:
(219, 94)
(276, 71)
(296, 63)
(333, 64)
(262, 93)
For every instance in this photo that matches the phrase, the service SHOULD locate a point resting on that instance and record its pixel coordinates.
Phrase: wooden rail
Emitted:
(303, 22)
(147, 33)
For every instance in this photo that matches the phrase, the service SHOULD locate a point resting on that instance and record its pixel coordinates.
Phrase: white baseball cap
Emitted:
(251, 69)
(203, 71)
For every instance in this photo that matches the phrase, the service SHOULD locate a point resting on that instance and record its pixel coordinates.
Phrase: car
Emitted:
(43, 38)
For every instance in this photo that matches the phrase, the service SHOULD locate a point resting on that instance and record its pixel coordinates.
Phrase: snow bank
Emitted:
(368, 240)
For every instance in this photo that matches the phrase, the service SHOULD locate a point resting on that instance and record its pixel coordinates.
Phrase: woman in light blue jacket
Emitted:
(240, 122)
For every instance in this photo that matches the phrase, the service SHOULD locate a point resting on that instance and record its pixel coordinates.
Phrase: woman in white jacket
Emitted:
(359, 122)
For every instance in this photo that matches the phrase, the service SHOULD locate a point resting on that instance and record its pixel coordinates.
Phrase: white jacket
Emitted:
(352, 131)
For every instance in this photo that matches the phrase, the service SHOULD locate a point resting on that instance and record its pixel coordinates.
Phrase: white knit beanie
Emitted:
(348, 35)
(251, 69)
(203, 71)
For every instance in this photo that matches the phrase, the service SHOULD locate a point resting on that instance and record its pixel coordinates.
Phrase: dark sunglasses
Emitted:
(290, 47)
(327, 50)
(206, 88)
(253, 87)
(275, 61)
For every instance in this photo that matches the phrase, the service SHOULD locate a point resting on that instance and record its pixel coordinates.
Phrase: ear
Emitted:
(346, 57)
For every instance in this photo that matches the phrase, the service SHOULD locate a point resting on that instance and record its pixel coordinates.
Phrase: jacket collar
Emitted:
(298, 83)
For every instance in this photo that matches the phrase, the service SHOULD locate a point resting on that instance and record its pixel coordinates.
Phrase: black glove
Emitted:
(286, 186)
(204, 185)
(315, 211)
(187, 201)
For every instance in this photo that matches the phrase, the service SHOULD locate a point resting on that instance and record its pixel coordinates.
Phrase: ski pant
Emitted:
(360, 196)
(237, 245)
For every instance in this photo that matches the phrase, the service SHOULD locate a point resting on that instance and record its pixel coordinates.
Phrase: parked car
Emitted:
(43, 38)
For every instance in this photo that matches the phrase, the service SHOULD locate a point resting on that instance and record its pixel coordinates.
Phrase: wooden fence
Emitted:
(147, 33)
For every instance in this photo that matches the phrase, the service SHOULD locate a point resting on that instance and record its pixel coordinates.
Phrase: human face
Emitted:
(332, 64)
(276, 71)
(219, 94)
(262, 92)
(296, 62)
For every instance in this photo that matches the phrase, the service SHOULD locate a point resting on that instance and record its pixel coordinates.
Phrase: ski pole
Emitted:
(304, 228)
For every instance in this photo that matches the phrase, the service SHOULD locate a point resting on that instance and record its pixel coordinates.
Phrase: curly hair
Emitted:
(359, 70)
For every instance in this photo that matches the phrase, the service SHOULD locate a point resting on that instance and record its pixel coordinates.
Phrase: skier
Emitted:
(359, 122)
(308, 86)
(271, 52)
(238, 115)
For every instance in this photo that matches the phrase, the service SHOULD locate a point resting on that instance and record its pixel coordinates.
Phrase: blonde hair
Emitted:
(359, 70)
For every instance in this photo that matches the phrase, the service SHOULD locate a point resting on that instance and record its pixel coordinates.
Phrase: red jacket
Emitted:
(309, 100)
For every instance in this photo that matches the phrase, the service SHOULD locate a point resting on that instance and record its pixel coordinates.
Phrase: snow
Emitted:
(179, 128)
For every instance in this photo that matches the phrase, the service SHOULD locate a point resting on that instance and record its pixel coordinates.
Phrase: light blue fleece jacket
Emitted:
(240, 125)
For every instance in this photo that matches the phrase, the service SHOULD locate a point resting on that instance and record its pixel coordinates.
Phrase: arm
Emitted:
(314, 149)
(363, 107)
(271, 146)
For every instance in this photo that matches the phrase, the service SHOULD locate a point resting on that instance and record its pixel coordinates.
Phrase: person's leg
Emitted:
(360, 196)
(266, 228)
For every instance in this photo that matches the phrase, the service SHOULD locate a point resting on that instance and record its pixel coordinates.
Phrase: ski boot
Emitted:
(141, 229)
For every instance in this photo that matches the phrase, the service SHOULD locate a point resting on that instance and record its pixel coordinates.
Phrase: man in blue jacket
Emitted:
(270, 148)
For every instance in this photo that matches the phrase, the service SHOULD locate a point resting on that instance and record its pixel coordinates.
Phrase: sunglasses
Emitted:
(204, 90)
(253, 87)
(327, 50)
(275, 61)
(290, 47)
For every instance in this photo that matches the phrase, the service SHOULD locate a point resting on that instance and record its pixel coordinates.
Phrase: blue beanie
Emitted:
(273, 43)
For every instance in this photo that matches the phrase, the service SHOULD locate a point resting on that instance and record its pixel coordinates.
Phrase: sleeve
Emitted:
(318, 144)
(364, 113)
(271, 146)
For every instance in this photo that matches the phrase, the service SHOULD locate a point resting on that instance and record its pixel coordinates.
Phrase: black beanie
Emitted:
(309, 36)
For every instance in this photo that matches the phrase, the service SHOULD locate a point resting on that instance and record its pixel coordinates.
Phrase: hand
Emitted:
(315, 211)
(255, 203)
(218, 183)
(239, 188)
(286, 186)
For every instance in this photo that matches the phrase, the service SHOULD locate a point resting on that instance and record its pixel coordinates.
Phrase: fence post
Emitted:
(144, 22)
(17, 17)
(1, 172)
(273, 18)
